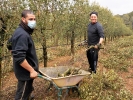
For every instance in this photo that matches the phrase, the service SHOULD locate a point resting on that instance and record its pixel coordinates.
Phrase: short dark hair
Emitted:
(94, 12)
(25, 12)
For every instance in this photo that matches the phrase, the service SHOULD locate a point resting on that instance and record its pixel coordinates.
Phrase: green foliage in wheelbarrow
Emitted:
(70, 71)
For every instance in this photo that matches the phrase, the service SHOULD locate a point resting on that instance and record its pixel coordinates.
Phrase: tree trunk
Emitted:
(45, 55)
(105, 40)
(72, 45)
(56, 40)
(85, 36)
(1, 47)
(67, 39)
(0, 70)
(45, 58)
(2, 33)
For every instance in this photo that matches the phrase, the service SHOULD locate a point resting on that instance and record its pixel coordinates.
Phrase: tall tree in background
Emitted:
(8, 22)
(78, 20)
(46, 15)
(2, 32)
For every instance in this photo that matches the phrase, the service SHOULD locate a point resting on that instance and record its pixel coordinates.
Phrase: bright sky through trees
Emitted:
(116, 6)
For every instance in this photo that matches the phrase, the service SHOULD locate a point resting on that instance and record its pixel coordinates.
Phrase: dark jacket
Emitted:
(22, 47)
(95, 32)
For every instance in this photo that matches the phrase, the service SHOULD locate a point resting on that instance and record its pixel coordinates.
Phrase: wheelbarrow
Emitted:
(60, 83)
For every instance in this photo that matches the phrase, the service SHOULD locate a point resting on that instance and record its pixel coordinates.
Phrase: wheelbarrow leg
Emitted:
(59, 93)
(67, 90)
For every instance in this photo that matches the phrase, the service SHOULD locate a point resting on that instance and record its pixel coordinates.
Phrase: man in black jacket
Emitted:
(25, 62)
(95, 39)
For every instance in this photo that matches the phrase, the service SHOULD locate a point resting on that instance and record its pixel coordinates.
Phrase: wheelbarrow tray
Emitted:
(51, 73)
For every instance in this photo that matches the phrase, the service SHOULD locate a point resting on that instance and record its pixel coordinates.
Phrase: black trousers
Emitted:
(92, 56)
(24, 89)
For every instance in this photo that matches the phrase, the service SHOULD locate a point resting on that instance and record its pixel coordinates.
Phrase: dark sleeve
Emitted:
(9, 44)
(100, 30)
(20, 47)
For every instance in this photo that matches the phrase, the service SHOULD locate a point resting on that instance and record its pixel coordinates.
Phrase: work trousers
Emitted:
(92, 56)
(24, 89)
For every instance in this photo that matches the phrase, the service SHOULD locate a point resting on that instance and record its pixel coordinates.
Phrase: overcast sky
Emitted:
(116, 6)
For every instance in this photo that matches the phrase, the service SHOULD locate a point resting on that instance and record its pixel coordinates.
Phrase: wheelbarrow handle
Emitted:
(46, 78)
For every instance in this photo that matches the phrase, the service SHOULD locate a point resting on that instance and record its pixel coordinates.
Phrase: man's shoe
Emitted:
(90, 70)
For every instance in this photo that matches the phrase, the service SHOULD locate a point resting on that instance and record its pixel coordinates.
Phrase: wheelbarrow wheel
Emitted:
(74, 92)
(49, 87)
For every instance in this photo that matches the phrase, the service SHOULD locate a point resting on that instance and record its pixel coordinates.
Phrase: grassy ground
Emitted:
(113, 80)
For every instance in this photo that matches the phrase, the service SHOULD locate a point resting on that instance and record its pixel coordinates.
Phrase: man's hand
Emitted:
(97, 46)
(33, 74)
(25, 65)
